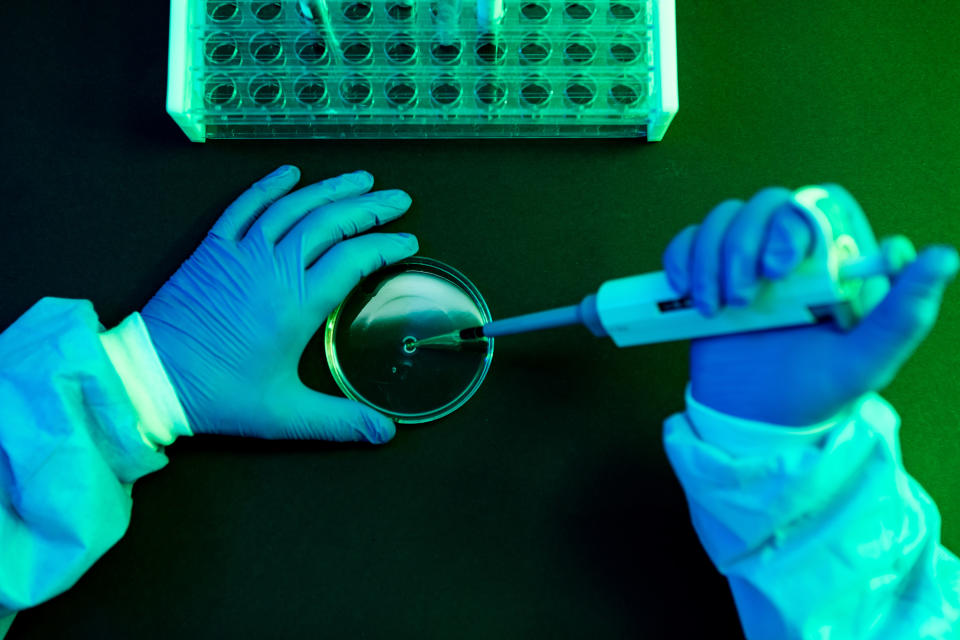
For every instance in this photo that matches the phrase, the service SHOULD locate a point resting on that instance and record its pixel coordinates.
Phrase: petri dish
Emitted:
(368, 341)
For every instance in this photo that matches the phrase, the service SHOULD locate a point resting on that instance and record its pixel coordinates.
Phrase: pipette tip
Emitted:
(452, 340)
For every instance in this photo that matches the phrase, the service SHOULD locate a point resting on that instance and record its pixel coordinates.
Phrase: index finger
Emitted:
(244, 210)
(789, 240)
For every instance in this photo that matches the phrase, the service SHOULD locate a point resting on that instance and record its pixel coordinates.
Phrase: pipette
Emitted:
(645, 309)
(489, 15)
(318, 11)
(447, 18)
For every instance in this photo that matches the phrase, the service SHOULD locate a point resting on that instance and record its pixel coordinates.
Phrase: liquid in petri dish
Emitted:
(370, 341)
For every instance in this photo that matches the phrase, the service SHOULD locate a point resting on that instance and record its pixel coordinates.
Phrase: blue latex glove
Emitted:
(797, 376)
(231, 324)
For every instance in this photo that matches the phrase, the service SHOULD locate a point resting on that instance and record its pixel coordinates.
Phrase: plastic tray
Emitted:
(389, 69)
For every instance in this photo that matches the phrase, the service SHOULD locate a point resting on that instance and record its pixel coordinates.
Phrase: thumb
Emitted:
(311, 415)
(888, 335)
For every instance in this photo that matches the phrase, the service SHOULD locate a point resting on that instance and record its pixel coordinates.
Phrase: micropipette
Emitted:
(489, 15)
(447, 17)
(645, 309)
(317, 10)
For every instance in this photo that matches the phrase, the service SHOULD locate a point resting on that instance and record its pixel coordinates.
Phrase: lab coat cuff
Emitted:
(160, 416)
(742, 437)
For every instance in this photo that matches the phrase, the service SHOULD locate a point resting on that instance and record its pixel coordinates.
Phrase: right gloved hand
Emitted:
(796, 376)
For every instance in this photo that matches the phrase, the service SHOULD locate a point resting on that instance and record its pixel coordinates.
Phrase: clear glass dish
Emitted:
(368, 341)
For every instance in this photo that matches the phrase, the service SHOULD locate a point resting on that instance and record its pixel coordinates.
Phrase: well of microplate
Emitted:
(369, 341)
(395, 69)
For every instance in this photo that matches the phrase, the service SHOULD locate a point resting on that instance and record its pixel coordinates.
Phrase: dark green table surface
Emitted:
(545, 507)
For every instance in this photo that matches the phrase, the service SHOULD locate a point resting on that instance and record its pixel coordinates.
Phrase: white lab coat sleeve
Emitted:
(76, 430)
(820, 531)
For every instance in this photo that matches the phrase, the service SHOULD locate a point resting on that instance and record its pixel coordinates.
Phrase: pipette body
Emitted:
(645, 309)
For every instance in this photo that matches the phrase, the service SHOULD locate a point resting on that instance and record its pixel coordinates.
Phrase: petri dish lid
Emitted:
(367, 341)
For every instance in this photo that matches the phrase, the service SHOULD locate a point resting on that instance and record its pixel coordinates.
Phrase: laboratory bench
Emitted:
(545, 507)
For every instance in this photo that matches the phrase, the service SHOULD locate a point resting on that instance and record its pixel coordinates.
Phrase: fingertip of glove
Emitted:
(360, 177)
(284, 172)
(775, 266)
(409, 241)
(381, 437)
(378, 429)
(948, 259)
(934, 264)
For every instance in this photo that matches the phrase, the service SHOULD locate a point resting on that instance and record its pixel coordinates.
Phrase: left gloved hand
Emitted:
(231, 324)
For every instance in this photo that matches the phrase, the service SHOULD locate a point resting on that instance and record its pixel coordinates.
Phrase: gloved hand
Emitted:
(231, 324)
(804, 375)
